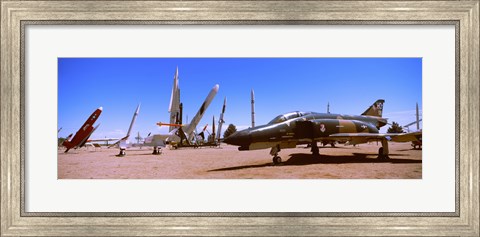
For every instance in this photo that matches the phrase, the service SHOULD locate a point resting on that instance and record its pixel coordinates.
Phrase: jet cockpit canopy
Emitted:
(287, 116)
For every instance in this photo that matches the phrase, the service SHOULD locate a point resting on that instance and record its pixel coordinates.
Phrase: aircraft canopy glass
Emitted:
(284, 117)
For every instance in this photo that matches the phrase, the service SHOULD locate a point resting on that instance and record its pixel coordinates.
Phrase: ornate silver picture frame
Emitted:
(16, 15)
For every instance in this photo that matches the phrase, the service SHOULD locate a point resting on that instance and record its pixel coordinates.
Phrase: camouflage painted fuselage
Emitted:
(289, 130)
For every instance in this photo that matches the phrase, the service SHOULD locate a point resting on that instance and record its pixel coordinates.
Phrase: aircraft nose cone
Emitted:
(238, 138)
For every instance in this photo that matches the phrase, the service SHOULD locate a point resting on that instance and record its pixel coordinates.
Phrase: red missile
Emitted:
(84, 132)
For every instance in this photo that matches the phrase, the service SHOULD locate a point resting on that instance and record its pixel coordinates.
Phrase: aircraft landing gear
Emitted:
(121, 153)
(277, 160)
(315, 150)
(157, 151)
(383, 151)
(274, 152)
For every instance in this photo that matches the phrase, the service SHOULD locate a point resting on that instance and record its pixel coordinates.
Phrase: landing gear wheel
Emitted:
(277, 160)
(315, 150)
(121, 153)
(157, 151)
(381, 156)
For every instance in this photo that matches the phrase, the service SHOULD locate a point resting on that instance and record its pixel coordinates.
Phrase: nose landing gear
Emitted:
(274, 152)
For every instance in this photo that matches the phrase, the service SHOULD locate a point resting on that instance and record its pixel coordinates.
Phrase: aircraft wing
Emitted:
(157, 140)
(103, 140)
(408, 137)
(412, 123)
(118, 141)
(357, 138)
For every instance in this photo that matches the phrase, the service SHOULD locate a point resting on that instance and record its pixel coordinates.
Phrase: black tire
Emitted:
(380, 154)
(277, 160)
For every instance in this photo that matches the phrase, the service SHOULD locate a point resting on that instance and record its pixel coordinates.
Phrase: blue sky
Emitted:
(281, 85)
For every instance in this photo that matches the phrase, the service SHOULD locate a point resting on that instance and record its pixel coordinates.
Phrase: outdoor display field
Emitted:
(226, 162)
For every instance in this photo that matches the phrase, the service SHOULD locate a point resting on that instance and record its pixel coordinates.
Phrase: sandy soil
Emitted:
(226, 162)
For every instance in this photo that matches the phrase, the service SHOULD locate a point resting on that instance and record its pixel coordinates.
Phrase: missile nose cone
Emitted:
(138, 109)
(100, 108)
(215, 88)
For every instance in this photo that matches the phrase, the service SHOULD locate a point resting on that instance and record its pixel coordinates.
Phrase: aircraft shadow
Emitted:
(242, 167)
(307, 159)
(413, 149)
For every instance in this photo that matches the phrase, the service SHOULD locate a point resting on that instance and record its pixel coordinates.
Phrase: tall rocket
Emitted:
(221, 121)
(174, 107)
(252, 95)
(418, 121)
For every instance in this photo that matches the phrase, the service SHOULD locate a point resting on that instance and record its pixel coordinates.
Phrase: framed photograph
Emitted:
(84, 82)
(346, 118)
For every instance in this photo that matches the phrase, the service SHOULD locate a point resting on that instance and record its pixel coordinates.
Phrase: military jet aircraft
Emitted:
(291, 129)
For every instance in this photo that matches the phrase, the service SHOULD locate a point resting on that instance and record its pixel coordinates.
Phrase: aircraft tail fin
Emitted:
(69, 137)
(66, 143)
(375, 109)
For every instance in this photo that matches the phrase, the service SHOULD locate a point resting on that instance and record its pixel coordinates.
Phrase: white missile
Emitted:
(417, 120)
(196, 119)
(133, 120)
(252, 95)
(221, 121)
(174, 107)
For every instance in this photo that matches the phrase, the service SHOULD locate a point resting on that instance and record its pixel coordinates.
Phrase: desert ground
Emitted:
(226, 162)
